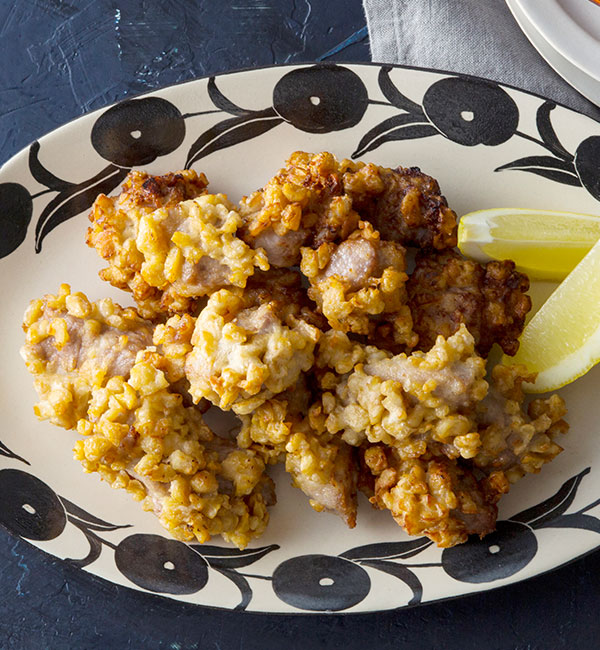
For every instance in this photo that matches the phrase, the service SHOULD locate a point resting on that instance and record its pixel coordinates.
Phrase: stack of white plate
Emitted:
(567, 34)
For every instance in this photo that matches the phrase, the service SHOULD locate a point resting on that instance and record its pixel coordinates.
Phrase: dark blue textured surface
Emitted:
(62, 59)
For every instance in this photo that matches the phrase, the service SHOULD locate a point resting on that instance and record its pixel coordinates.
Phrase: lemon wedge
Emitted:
(562, 340)
(546, 245)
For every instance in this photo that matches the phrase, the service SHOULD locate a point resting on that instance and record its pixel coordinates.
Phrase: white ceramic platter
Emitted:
(571, 27)
(488, 146)
(587, 85)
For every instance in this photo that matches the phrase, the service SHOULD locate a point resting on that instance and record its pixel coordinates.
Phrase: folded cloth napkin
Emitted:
(478, 37)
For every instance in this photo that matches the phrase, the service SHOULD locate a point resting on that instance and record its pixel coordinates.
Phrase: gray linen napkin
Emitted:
(478, 37)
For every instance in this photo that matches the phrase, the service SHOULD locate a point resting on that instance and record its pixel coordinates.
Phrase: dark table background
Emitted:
(62, 59)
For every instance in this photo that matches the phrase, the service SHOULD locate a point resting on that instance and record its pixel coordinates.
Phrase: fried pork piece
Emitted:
(174, 340)
(359, 285)
(115, 225)
(516, 440)
(245, 353)
(417, 403)
(325, 469)
(446, 290)
(303, 204)
(316, 199)
(268, 428)
(408, 208)
(73, 346)
(281, 287)
(431, 496)
(191, 250)
(284, 287)
(139, 436)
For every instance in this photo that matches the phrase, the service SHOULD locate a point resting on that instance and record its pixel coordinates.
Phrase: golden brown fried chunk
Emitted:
(190, 250)
(316, 199)
(285, 288)
(446, 290)
(323, 467)
(430, 496)
(409, 209)
(303, 204)
(414, 403)
(326, 471)
(115, 222)
(139, 436)
(358, 285)
(73, 346)
(244, 354)
(516, 440)
(269, 427)
(95, 369)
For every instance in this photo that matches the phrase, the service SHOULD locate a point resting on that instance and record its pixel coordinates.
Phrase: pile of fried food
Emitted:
(352, 372)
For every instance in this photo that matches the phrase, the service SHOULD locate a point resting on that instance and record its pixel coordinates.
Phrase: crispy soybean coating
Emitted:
(431, 496)
(516, 439)
(74, 345)
(245, 354)
(446, 290)
(358, 285)
(324, 468)
(414, 403)
(115, 222)
(303, 204)
(410, 210)
(139, 436)
(326, 471)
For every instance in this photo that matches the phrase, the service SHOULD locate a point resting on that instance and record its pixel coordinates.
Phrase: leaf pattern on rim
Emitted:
(550, 508)
(43, 175)
(241, 583)
(87, 524)
(398, 127)
(547, 132)
(85, 518)
(93, 540)
(5, 451)
(556, 169)
(576, 520)
(401, 572)
(231, 132)
(222, 102)
(395, 97)
(387, 550)
(75, 199)
(226, 560)
(220, 557)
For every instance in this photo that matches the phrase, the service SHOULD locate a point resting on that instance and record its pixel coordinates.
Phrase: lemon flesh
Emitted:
(546, 245)
(562, 340)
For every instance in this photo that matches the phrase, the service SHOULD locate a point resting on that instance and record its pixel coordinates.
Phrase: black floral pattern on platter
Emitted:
(138, 131)
(170, 567)
(129, 134)
(16, 208)
(471, 112)
(313, 582)
(317, 99)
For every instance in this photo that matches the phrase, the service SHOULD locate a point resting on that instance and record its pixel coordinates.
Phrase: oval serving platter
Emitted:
(488, 146)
